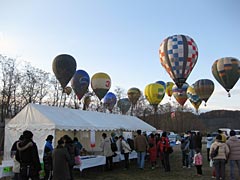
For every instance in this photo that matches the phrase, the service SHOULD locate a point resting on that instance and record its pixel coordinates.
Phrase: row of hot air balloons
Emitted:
(178, 55)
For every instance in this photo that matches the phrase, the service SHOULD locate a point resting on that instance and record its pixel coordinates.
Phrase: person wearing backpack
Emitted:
(219, 161)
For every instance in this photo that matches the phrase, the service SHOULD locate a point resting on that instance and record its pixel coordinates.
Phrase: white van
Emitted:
(226, 131)
(237, 133)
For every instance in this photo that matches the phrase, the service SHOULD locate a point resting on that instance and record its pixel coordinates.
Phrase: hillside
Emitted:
(205, 122)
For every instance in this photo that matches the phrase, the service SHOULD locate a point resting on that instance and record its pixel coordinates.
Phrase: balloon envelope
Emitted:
(154, 93)
(133, 95)
(178, 55)
(180, 94)
(193, 97)
(169, 86)
(110, 100)
(226, 71)
(80, 82)
(100, 83)
(204, 88)
(162, 83)
(64, 67)
(67, 90)
(124, 105)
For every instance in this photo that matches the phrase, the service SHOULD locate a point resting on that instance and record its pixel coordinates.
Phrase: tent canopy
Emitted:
(43, 117)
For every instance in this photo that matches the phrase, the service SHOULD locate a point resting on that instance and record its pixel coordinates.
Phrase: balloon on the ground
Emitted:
(133, 95)
(80, 82)
(100, 83)
(193, 97)
(124, 105)
(204, 89)
(169, 86)
(67, 90)
(227, 72)
(64, 67)
(109, 101)
(154, 93)
(178, 55)
(180, 94)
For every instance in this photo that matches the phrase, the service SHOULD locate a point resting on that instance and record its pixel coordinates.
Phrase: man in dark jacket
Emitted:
(27, 155)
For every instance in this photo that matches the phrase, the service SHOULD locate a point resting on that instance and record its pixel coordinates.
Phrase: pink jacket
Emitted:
(197, 159)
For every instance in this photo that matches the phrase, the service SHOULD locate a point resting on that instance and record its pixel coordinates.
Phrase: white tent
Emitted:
(43, 120)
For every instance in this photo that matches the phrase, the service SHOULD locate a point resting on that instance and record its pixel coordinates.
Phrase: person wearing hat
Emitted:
(27, 155)
(47, 158)
(234, 156)
(221, 157)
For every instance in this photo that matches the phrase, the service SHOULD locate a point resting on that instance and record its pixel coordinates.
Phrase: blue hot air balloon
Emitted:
(109, 101)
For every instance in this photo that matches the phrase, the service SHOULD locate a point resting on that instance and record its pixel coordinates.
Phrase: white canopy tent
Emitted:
(43, 120)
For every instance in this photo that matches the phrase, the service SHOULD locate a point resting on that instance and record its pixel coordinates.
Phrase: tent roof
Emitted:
(39, 117)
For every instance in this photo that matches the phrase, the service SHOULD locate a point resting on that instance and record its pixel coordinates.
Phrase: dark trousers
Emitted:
(48, 174)
(166, 161)
(219, 165)
(208, 157)
(109, 163)
(185, 159)
(126, 160)
(199, 169)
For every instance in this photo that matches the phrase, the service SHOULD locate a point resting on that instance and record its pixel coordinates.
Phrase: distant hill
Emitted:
(220, 118)
(205, 122)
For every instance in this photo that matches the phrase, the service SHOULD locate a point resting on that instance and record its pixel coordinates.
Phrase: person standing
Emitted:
(185, 151)
(47, 158)
(220, 158)
(164, 145)
(107, 151)
(27, 155)
(141, 146)
(152, 150)
(125, 148)
(224, 136)
(16, 164)
(209, 140)
(198, 141)
(234, 156)
(61, 159)
(198, 161)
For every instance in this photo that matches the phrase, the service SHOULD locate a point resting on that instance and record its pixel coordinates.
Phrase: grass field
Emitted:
(177, 172)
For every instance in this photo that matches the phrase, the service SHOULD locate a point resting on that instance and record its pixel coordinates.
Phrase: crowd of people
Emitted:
(59, 161)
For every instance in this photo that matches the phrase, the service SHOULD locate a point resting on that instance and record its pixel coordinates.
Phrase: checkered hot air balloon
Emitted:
(178, 55)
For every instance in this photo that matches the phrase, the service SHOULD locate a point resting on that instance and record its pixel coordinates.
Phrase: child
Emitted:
(197, 161)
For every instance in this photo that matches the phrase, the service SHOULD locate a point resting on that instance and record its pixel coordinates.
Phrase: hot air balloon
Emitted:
(100, 83)
(193, 98)
(227, 72)
(124, 105)
(180, 94)
(204, 89)
(178, 55)
(169, 86)
(162, 83)
(80, 82)
(133, 96)
(67, 90)
(154, 93)
(109, 101)
(64, 67)
(86, 102)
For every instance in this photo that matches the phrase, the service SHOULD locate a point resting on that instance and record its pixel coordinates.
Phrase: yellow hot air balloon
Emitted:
(193, 97)
(169, 86)
(100, 83)
(154, 93)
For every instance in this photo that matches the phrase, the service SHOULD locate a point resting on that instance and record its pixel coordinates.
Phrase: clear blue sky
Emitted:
(122, 38)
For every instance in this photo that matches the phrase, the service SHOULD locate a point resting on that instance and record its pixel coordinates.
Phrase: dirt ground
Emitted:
(177, 172)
